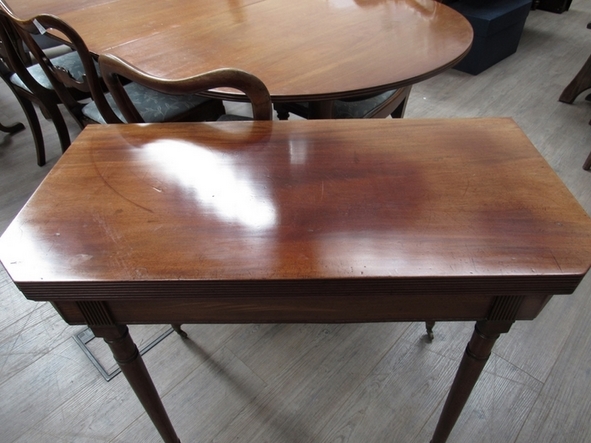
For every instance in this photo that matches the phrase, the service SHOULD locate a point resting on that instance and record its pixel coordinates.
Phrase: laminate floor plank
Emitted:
(415, 377)
(29, 339)
(209, 399)
(562, 410)
(307, 394)
(43, 388)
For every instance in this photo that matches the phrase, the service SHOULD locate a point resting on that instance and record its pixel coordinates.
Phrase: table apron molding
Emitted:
(294, 310)
(417, 286)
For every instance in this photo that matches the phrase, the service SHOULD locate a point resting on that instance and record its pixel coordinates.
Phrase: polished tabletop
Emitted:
(299, 221)
(302, 50)
(443, 202)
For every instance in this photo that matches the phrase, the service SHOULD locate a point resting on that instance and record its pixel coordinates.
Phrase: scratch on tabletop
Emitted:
(100, 174)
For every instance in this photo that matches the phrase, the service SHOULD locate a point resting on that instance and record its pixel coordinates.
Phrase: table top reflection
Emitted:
(448, 201)
(302, 50)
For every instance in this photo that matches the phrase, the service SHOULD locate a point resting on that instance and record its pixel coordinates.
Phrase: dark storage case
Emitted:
(497, 25)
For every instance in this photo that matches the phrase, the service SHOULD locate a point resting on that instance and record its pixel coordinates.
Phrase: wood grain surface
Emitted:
(363, 201)
(305, 50)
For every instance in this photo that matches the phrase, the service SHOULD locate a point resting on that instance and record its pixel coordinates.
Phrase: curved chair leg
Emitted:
(57, 118)
(580, 83)
(400, 109)
(33, 120)
(587, 165)
(17, 127)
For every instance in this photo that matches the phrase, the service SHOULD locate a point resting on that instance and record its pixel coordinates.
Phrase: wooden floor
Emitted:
(328, 383)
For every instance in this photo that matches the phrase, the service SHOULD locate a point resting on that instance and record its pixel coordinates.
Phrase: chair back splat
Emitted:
(29, 84)
(65, 81)
(114, 70)
(68, 83)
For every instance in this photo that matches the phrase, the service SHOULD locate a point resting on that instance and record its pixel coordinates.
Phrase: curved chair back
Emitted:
(29, 88)
(113, 70)
(15, 58)
(63, 80)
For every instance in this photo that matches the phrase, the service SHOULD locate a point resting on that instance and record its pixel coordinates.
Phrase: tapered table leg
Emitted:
(130, 361)
(472, 364)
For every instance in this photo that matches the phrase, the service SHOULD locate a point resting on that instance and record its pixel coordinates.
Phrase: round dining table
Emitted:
(304, 50)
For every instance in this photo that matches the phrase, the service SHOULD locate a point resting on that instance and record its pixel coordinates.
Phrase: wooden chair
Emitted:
(153, 106)
(30, 85)
(587, 164)
(391, 103)
(115, 71)
(581, 82)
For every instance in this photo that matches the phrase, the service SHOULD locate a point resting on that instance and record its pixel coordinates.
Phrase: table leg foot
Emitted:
(477, 353)
(429, 327)
(133, 368)
(179, 331)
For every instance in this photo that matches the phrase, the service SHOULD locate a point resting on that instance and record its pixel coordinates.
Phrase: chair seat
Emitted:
(342, 109)
(70, 61)
(233, 118)
(360, 107)
(154, 107)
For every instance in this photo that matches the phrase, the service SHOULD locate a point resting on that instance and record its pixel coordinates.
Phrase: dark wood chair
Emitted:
(587, 164)
(153, 106)
(391, 103)
(31, 86)
(580, 83)
(116, 71)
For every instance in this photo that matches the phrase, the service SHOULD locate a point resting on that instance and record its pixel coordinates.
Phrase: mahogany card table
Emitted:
(299, 222)
(305, 50)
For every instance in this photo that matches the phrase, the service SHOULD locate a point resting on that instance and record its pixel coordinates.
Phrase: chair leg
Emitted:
(587, 165)
(17, 127)
(61, 128)
(282, 114)
(580, 83)
(33, 120)
(401, 108)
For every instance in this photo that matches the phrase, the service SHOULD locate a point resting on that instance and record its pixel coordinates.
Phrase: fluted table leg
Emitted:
(132, 365)
(477, 353)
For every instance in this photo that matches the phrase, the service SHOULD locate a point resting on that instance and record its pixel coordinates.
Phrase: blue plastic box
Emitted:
(497, 25)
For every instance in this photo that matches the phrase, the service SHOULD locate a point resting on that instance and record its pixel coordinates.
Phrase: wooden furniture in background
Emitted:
(300, 221)
(30, 86)
(314, 51)
(70, 86)
(117, 73)
(389, 103)
(580, 83)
